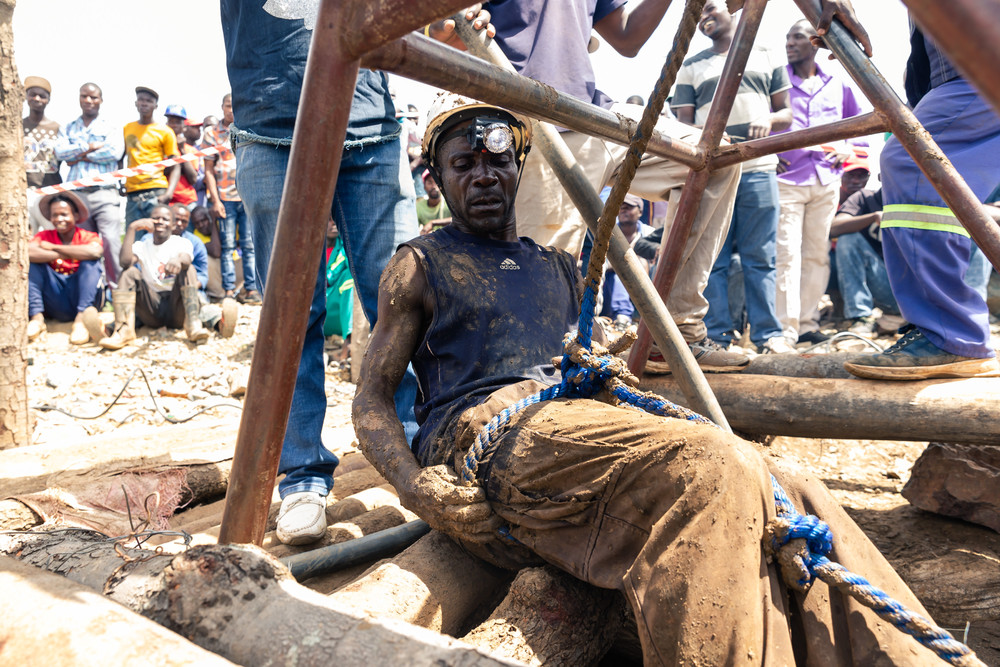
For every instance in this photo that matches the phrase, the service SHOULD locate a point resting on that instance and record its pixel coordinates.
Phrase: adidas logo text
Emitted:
(509, 265)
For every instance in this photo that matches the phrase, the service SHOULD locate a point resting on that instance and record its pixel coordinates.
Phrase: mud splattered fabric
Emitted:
(501, 310)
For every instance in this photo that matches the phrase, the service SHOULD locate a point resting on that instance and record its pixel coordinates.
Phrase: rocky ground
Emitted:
(203, 383)
(183, 379)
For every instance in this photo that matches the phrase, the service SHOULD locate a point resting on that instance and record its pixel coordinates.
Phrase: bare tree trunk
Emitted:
(14, 428)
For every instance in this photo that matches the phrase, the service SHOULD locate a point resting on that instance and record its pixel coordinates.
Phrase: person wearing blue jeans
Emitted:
(753, 234)
(861, 273)
(760, 107)
(863, 280)
(373, 206)
(236, 220)
(64, 272)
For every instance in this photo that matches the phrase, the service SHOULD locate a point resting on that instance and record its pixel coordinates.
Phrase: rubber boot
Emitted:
(230, 314)
(95, 327)
(196, 332)
(124, 332)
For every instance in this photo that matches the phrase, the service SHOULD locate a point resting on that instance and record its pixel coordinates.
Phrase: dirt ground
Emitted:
(934, 554)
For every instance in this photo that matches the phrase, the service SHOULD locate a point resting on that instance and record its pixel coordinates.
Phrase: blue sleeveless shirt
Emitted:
(501, 310)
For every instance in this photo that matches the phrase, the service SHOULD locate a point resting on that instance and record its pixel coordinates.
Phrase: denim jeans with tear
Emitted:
(374, 209)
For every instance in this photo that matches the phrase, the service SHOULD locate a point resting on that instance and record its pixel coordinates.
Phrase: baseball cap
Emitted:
(632, 200)
(38, 82)
(148, 91)
(176, 110)
(855, 162)
(193, 122)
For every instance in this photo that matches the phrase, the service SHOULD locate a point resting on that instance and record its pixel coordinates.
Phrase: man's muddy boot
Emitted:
(95, 327)
(124, 332)
(196, 332)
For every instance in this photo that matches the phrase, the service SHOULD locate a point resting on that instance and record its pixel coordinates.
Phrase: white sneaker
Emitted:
(302, 518)
(777, 345)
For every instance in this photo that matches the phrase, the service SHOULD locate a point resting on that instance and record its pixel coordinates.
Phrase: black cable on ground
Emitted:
(152, 396)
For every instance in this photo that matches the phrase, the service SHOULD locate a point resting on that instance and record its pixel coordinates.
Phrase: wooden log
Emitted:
(47, 620)
(239, 602)
(433, 583)
(958, 587)
(962, 411)
(800, 365)
(39, 467)
(15, 515)
(549, 618)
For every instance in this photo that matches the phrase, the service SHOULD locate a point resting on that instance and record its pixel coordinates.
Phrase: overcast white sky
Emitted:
(177, 49)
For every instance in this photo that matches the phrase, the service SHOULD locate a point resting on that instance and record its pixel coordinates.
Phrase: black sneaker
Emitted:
(914, 357)
(812, 337)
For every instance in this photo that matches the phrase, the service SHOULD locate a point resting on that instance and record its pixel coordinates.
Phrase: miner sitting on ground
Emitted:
(158, 286)
(670, 512)
(65, 273)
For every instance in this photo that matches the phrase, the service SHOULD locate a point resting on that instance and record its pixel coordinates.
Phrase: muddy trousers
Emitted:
(672, 513)
(154, 308)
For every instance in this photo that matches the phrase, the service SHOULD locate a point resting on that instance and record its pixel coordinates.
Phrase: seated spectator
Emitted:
(206, 229)
(65, 272)
(618, 305)
(199, 256)
(158, 286)
(864, 282)
(432, 209)
(223, 319)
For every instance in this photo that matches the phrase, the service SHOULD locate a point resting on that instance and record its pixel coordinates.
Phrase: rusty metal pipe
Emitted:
(421, 59)
(858, 126)
(914, 138)
(371, 23)
(722, 103)
(968, 32)
(318, 139)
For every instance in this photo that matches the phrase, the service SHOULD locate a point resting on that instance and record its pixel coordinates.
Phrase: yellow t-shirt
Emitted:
(145, 144)
(205, 238)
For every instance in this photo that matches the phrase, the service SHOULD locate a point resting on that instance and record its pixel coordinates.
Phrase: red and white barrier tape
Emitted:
(115, 176)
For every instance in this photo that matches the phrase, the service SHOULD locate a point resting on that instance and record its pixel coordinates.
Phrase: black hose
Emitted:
(338, 556)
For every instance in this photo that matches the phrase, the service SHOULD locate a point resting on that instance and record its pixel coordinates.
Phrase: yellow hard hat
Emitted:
(450, 109)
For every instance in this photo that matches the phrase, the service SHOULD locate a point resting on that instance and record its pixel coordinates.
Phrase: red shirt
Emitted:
(80, 237)
(185, 193)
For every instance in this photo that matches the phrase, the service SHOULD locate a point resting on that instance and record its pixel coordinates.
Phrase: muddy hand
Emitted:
(436, 495)
(444, 31)
(843, 10)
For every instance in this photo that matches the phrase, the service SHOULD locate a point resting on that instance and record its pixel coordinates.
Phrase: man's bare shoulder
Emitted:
(403, 284)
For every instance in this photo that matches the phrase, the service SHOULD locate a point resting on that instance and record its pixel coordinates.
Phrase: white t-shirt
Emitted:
(152, 259)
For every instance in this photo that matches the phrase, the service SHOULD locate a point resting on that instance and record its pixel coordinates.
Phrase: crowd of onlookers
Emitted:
(175, 261)
(804, 223)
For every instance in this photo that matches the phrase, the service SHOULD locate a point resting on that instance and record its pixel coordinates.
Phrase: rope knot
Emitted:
(799, 543)
(588, 371)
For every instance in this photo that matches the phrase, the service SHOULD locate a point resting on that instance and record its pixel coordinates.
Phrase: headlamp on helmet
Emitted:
(490, 134)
